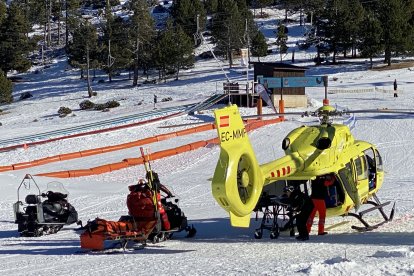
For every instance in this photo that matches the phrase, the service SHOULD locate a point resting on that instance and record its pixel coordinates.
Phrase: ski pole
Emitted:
(150, 178)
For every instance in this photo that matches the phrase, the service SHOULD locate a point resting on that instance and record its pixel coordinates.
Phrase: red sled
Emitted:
(127, 229)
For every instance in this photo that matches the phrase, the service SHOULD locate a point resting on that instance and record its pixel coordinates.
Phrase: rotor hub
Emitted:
(244, 179)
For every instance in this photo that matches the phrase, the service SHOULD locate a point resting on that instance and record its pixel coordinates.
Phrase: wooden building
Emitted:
(292, 96)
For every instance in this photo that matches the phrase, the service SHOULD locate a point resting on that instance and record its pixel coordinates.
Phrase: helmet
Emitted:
(141, 185)
(288, 189)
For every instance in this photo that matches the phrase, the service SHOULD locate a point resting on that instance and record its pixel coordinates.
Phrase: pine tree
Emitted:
(355, 16)
(72, 18)
(287, 5)
(184, 46)
(83, 51)
(14, 44)
(281, 40)
(259, 45)
(211, 6)
(119, 58)
(393, 15)
(262, 4)
(141, 36)
(313, 8)
(370, 36)
(173, 50)
(108, 58)
(6, 89)
(186, 12)
(3, 11)
(57, 9)
(228, 29)
(163, 54)
(338, 24)
(24, 7)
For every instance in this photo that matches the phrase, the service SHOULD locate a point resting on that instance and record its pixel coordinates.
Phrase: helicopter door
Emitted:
(349, 181)
(372, 167)
(361, 171)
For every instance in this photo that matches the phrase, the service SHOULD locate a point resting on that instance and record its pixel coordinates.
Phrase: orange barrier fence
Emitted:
(84, 153)
(6, 168)
(154, 156)
(126, 162)
(90, 152)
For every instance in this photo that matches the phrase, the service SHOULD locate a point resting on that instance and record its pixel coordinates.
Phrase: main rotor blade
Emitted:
(275, 114)
(381, 110)
(336, 112)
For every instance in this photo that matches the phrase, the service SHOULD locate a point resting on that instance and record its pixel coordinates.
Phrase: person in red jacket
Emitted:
(319, 193)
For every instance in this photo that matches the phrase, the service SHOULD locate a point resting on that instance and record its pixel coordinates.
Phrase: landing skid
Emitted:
(377, 206)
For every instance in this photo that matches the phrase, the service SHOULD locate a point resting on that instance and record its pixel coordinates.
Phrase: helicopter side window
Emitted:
(378, 161)
(361, 168)
(372, 167)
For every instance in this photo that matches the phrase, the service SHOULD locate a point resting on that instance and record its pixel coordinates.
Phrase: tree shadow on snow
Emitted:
(204, 118)
(9, 234)
(40, 247)
(44, 246)
(70, 247)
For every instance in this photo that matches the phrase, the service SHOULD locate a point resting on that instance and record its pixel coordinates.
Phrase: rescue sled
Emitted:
(42, 212)
(152, 217)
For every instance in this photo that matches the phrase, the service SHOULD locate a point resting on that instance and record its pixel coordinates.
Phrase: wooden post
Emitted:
(247, 95)
(325, 82)
(259, 106)
(282, 108)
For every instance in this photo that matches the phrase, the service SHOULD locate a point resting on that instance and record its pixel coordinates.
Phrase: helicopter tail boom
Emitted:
(238, 180)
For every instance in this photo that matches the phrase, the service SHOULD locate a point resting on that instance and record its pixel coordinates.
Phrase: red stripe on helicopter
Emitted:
(282, 172)
(224, 121)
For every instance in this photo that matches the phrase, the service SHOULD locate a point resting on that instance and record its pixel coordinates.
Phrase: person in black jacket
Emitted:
(155, 101)
(303, 206)
(395, 88)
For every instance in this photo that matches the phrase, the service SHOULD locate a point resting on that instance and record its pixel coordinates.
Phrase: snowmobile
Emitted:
(42, 212)
(152, 217)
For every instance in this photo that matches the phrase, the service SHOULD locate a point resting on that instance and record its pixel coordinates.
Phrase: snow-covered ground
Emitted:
(217, 249)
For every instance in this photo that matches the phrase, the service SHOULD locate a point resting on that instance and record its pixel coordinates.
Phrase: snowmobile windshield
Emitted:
(56, 187)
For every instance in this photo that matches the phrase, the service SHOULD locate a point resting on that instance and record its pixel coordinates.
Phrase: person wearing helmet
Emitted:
(303, 206)
(141, 186)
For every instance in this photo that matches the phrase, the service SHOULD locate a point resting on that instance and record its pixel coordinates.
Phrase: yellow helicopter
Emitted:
(310, 152)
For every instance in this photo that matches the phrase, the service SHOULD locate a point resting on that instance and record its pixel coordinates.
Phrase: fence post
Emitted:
(259, 106)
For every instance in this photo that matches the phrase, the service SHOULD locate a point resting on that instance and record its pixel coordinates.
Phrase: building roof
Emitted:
(280, 65)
